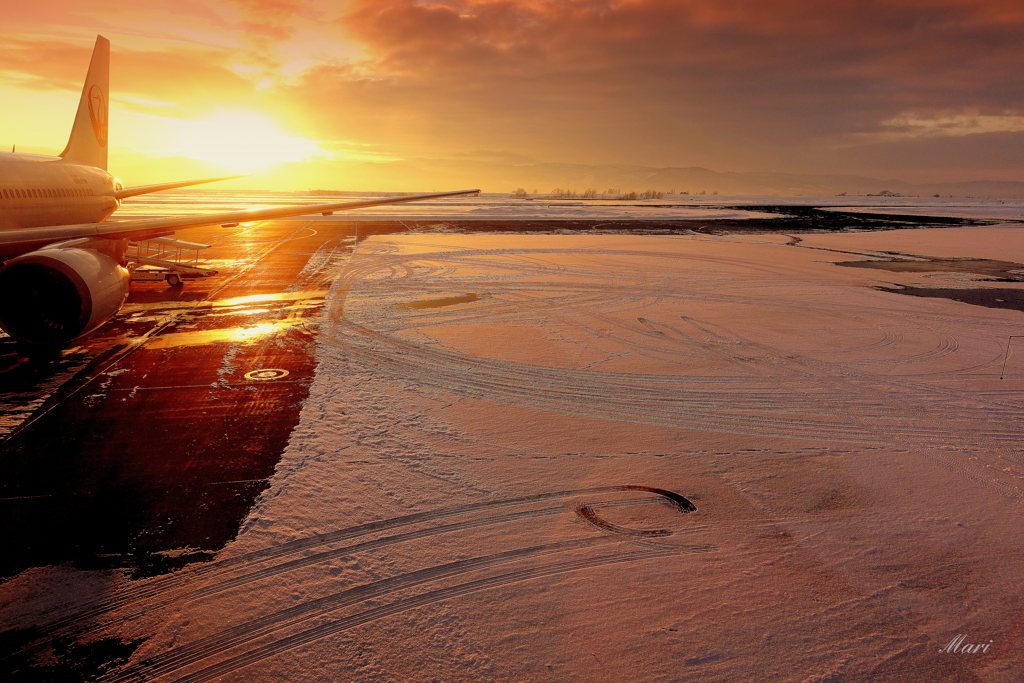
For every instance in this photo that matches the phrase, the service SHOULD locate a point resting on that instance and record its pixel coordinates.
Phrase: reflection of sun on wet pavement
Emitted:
(231, 334)
(261, 298)
(175, 360)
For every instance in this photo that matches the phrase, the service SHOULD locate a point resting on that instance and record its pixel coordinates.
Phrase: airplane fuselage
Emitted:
(38, 190)
(63, 266)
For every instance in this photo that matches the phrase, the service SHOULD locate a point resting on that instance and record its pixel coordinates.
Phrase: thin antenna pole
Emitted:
(1007, 355)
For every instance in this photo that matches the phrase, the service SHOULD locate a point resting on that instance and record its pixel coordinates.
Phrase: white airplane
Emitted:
(63, 271)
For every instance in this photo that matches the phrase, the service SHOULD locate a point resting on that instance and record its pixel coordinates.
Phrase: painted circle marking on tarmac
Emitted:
(266, 374)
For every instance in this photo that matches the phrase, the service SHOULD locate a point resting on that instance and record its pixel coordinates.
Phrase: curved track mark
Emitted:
(188, 577)
(367, 616)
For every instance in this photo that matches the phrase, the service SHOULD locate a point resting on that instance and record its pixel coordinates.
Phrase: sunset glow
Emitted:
(404, 95)
(242, 140)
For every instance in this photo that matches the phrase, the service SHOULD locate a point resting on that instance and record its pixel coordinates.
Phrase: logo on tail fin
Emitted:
(98, 114)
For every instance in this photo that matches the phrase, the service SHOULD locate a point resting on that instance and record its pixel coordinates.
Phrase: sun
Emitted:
(242, 140)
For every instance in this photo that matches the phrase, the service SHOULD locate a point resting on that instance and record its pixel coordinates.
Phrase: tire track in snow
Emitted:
(217, 644)
(781, 395)
(247, 563)
(212, 646)
(283, 645)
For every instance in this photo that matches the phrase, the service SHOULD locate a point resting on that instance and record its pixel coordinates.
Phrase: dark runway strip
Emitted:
(152, 455)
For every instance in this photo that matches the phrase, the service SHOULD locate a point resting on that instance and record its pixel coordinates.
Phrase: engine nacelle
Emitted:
(53, 296)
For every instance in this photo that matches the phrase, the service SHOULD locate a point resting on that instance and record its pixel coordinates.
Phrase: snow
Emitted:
(853, 457)
(985, 209)
(498, 206)
(488, 206)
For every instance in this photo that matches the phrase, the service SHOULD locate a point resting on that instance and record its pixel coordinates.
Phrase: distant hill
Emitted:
(499, 176)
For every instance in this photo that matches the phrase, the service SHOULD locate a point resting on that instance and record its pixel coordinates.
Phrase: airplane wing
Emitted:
(15, 242)
(146, 189)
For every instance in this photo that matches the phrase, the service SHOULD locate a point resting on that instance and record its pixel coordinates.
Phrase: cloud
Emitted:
(654, 81)
(192, 78)
(745, 84)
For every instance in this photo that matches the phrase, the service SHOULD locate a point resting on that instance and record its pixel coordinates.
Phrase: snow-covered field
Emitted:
(486, 485)
(498, 206)
(487, 206)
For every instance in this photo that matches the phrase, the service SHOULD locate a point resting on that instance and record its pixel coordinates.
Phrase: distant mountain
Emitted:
(499, 176)
(1003, 189)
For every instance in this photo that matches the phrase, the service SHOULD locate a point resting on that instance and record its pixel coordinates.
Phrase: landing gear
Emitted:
(174, 280)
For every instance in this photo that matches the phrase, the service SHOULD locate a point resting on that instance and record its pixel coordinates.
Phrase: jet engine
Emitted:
(52, 296)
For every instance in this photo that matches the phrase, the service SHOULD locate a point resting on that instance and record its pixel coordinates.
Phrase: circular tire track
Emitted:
(217, 644)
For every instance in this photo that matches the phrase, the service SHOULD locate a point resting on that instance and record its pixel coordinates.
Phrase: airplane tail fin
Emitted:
(88, 141)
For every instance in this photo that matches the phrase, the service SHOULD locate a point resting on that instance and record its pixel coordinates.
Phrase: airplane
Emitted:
(63, 272)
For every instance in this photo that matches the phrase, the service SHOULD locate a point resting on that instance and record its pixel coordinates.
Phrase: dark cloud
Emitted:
(766, 76)
(730, 84)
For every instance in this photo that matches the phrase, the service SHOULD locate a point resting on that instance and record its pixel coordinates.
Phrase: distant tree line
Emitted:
(610, 193)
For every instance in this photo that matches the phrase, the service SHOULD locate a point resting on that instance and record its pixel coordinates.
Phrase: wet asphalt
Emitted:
(167, 422)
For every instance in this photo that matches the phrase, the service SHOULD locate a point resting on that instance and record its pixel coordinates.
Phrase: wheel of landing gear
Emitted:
(173, 280)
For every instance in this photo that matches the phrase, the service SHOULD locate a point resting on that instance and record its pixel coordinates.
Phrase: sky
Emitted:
(363, 94)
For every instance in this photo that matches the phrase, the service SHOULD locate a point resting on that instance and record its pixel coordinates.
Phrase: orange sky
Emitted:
(431, 95)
